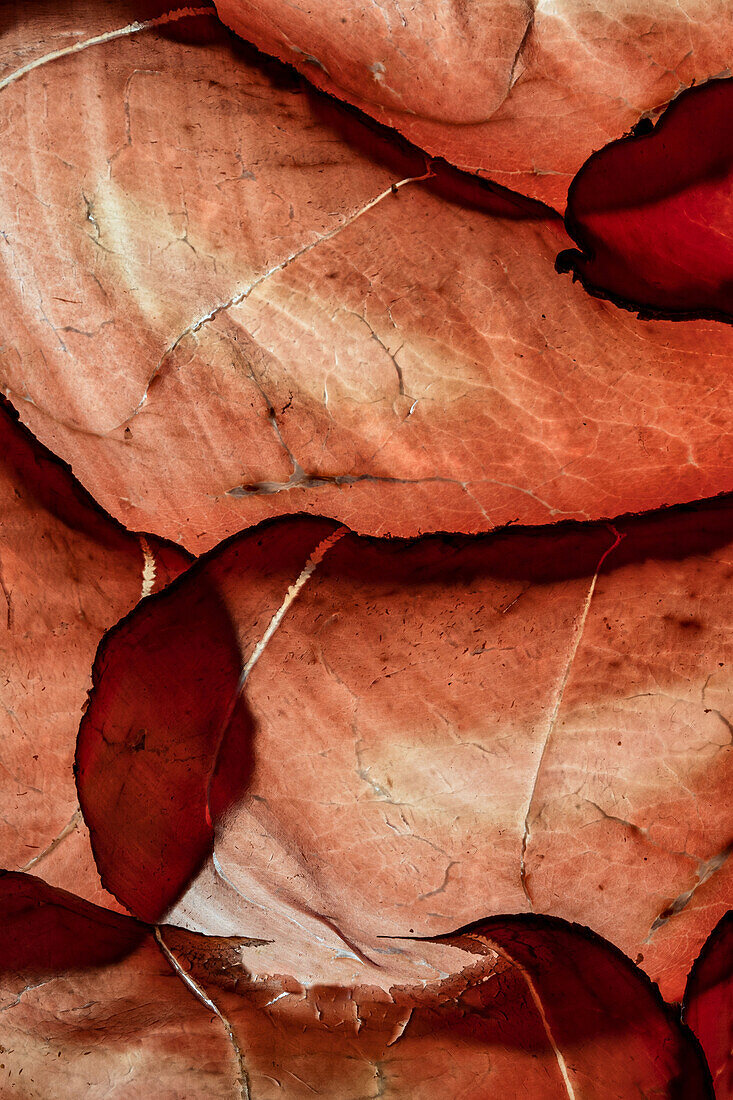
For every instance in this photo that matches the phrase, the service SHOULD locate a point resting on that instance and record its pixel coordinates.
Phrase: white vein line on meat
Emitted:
(203, 996)
(241, 295)
(106, 36)
(531, 986)
(548, 1031)
(68, 828)
(579, 629)
(306, 572)
(149, 567)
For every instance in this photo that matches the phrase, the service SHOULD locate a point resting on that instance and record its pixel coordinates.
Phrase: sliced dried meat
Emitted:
(537, 1007)
(92, 1007)
(653, 213)
(708, 1005)
(97, 1003)
(67, 573)
(516, 90)
(411, 735)
(217, 309)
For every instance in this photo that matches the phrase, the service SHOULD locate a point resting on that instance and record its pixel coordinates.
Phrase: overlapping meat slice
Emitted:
(708, 1004)
(67, 573)
(536, 1007)
(518, 90)
(653, 214)
(91, 1007)
(98, 1004)
(218, 309)
(392, 738)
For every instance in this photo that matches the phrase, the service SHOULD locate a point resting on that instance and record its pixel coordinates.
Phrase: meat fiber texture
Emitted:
(415, 783)
(356, 738)
(225, 298)
(93, 998)
(520, 91)
(67, 574)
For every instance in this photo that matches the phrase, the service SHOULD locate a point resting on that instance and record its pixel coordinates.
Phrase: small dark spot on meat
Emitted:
(690, 623)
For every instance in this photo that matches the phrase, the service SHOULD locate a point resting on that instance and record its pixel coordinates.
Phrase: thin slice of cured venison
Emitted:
(708, 1005)
(653, 213)
(226, 298)
(536, 1007)
(92, 1006)
(515, 90)
(387, 738)
(67, 573)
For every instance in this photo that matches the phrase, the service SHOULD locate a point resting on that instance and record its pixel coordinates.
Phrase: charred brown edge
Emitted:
(445, 175)
(449, 181)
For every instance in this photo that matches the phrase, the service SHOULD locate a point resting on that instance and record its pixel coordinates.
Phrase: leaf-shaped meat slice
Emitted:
(708, 1004)
(653, 213)
(186, 754)
(420, 734)
(90, 1006)
(521, 92)
(238, 316)
(67, 573)
(536, 1007)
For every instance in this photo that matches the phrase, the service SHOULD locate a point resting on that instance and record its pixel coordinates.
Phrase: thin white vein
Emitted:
(306, 573)
(149, 567)
(548, 1032)
(577, 638)
(106, 36)
(292, 593)
(541, 1010)
(241, 295)
(228, 882)
(206, 1000)
(68, 828)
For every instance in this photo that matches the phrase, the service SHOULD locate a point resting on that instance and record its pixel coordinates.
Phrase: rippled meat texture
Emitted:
(708, 1005)
(517, 90)
(201, 256)
(536, 1005)
(91, 1007)
(422, 734)
(653, 214)
(311, 755)
(67, 573)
